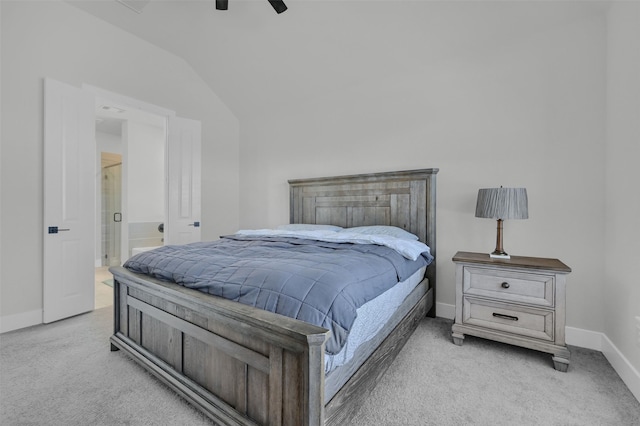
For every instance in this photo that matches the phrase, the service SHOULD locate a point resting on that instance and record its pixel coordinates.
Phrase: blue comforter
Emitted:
(321, 283)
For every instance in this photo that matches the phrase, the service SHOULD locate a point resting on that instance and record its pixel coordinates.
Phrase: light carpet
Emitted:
(64, 374)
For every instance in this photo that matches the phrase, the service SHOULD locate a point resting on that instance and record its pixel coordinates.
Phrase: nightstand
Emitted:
(520, 301)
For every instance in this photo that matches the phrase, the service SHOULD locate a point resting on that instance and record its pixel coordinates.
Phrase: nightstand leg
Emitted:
(458, 338)
(560, 364)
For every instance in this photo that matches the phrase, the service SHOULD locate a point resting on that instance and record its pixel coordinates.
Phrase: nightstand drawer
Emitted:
(524, 321)
(509, 285)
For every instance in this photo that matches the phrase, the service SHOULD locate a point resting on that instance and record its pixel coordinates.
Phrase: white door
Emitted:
(69, 201)
(183, 174)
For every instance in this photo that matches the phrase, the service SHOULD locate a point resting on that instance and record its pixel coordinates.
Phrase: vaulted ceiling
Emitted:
(258, 61)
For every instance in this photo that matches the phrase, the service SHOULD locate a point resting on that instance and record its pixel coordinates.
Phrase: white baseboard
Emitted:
(627, 372)
(583, 338)
(444, 310)
(17, 321)
(600, 342)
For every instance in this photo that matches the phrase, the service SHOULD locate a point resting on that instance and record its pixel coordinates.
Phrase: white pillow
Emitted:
(391, 231)
(308, 227)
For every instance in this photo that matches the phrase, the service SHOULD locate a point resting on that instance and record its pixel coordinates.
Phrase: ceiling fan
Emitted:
(278, 5)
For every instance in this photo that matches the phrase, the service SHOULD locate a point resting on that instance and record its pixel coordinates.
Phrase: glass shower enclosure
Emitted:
(111, 216)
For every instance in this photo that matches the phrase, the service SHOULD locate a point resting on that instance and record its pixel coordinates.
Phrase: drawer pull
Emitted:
(503, 316)
(505, 285)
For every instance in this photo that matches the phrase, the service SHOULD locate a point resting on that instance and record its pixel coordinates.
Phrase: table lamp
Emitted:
(501, 204)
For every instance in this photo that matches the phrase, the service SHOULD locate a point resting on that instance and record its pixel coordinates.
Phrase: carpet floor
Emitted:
(64, 374)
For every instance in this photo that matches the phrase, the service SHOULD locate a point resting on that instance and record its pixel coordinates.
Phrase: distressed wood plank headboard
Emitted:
(406, 199)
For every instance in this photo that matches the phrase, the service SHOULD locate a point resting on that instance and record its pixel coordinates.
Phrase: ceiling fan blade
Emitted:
(278, 5)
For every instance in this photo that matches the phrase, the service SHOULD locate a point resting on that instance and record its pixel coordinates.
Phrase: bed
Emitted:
(245, 366)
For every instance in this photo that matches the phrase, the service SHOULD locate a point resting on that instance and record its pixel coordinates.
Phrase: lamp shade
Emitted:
(502, 203)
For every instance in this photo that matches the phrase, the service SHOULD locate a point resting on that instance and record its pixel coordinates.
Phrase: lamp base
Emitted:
(499, 252)
(499, 256)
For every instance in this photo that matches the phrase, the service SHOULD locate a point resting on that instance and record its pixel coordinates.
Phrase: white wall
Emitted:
(107, 142)
(556, 111)
(145, 172)
(620, 286)
(54, 39)
(524, 111)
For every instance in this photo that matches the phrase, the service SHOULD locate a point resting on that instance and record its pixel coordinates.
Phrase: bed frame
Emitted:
(245, 366)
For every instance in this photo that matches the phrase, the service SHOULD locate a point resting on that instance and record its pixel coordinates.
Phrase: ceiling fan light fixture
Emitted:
(278, 5)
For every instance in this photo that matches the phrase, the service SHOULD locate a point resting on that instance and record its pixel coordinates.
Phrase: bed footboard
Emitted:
(238, 364)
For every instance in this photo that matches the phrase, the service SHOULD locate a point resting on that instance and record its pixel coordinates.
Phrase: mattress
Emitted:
(401, 300)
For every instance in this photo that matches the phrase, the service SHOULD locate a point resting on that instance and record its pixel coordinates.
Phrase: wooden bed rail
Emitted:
(238, 364)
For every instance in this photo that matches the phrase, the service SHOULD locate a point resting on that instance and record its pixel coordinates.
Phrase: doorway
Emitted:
(130, 187)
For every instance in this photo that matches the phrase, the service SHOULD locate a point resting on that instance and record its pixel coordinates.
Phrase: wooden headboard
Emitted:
(406, 199)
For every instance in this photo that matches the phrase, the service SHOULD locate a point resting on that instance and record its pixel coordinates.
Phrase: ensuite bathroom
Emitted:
(131, 187)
